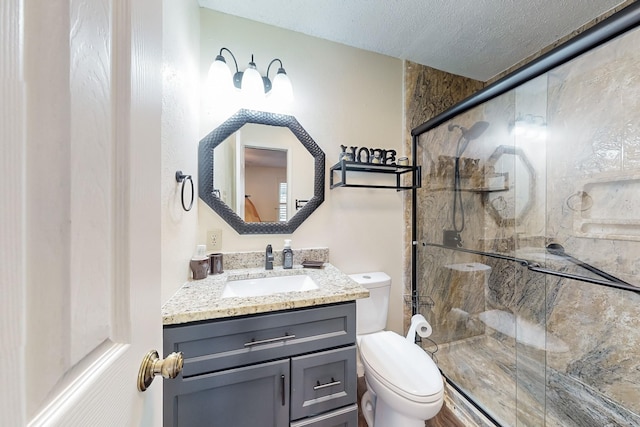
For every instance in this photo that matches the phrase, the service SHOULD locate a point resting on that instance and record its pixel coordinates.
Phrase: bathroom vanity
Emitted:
(284, 359)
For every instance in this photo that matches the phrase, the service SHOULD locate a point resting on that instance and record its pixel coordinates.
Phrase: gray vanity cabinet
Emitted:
(280, 369)
(248, 396)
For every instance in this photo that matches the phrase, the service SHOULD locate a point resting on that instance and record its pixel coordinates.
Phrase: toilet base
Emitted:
(368, 405)
(385, 416)
(377, 413)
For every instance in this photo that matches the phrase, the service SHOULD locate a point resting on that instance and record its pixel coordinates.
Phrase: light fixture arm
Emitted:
(232, 55)
(237, 76)
(271, 63)
(267, 82)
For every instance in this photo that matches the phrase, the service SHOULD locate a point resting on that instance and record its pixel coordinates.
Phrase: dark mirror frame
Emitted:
(205, 171)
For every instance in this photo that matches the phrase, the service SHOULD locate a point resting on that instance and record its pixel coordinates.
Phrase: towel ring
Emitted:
(180, 177)
(579, 201)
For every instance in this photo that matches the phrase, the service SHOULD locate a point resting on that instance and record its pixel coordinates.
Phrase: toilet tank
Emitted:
(371, 313)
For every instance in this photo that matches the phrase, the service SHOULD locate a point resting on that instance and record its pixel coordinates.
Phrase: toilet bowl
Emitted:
(404, 385)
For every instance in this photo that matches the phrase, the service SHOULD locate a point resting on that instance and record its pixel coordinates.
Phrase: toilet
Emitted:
(404, 385)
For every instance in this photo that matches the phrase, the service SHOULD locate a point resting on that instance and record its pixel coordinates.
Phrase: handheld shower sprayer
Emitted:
(452, 237)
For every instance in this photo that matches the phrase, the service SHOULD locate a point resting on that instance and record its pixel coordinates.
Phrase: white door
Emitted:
(80, 97)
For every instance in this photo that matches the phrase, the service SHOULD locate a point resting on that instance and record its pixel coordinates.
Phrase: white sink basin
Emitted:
(268, 286)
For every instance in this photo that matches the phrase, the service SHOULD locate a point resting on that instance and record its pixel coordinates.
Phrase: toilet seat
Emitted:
(401, 366)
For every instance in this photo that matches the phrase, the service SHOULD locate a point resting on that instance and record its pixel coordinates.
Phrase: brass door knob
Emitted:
(152, 365)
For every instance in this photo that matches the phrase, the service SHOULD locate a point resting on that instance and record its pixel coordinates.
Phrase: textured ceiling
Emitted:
(472, 38)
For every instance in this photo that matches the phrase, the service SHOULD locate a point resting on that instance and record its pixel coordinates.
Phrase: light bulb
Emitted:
(520, 128)
(219, 76)
(252, 86)
(282, 91)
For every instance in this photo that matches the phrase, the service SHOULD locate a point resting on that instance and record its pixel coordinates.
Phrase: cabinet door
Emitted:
(256, 395)
(323, 381)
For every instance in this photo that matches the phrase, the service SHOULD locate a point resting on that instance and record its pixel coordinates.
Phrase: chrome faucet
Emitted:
(268, 262)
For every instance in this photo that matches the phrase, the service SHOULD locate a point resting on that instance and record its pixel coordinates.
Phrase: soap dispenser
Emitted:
(287, 255)
(200, 263)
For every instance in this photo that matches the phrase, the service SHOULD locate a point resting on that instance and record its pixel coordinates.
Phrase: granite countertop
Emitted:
(200, 300)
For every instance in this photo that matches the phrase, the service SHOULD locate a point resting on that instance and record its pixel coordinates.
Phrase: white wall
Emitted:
(180, 123)
(342, 96)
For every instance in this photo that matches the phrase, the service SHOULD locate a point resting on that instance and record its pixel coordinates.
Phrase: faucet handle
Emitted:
(268, 262)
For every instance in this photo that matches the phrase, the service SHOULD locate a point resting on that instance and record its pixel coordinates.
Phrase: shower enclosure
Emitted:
(526, 230)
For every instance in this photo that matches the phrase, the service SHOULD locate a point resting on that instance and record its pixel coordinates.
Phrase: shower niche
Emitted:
(591, 209)
(536, 292)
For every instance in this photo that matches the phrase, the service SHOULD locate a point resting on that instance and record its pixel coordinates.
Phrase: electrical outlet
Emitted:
(214, 240)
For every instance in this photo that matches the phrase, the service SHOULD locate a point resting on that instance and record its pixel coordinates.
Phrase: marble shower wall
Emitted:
(567, 349)
(428, 92)
(593, 210)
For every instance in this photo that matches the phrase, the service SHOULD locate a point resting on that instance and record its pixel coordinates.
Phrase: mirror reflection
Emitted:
(261, 172)
(265, 183)
(511, 205)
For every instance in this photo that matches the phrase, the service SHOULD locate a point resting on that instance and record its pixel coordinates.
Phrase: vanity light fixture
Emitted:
(251, 83)
(529, 125)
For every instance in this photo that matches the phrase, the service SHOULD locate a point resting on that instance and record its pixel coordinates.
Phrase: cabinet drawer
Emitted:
(221, 344)
(323, 381)
(344, 417)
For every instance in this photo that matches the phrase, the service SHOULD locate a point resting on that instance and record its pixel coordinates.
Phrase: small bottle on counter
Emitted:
(199, 263)
(287, 255)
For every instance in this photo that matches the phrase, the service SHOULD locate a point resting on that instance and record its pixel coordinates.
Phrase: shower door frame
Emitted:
(610, 28)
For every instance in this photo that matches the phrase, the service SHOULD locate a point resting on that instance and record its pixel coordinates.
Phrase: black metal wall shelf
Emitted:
(343, 168)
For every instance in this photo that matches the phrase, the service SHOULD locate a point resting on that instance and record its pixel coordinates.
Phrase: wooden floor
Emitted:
(445, 417)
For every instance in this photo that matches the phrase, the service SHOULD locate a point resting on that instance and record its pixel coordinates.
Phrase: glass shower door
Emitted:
(528, 238)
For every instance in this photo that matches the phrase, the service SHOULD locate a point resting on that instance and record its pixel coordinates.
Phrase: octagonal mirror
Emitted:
(508, 207)
(261, 172)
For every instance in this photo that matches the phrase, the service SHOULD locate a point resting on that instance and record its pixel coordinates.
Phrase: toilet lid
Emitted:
(401, 365)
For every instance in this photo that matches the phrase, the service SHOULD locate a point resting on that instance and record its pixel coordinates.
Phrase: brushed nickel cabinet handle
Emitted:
(269, 340)
(319, 386)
